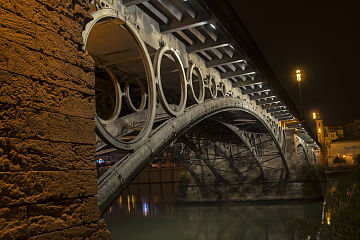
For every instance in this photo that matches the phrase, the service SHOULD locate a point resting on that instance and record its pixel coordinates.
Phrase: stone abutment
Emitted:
(47, 133)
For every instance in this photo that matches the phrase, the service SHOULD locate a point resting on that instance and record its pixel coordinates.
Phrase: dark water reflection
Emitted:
(152, 214)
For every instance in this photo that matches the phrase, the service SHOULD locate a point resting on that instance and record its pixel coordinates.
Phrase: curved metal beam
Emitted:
(305, 152)
(124, 171)
(182, 160)
(300, 141)
(230, 159)
(240, 134)
(227, 156)
(199, 155)
(282, 155)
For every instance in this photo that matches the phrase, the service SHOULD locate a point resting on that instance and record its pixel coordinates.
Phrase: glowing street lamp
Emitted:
(298, 75)
(298, 79)
(314, 115)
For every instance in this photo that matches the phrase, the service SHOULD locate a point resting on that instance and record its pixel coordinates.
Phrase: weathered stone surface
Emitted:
(28, 123)
(63, 7)
(37, 155)
(18, 59)
(80, 11)
(47, 173)
(32, 187)
(94, 231)
(41, 15)
(13, 223)
(24, 92)
(19, 30)
(53, 216)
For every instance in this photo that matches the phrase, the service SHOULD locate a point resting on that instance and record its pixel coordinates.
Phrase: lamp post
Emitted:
(298, 79)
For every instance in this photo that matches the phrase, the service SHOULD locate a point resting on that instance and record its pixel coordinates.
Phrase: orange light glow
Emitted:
(129, 206)
(298, 75)
(314, 115)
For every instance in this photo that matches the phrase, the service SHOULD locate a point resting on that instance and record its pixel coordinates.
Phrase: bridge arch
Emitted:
(302, 151)
(122, 172)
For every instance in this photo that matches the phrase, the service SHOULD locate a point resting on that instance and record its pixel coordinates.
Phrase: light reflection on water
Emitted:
(145, 216)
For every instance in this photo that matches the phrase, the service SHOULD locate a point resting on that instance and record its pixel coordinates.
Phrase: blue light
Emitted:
(145, 209)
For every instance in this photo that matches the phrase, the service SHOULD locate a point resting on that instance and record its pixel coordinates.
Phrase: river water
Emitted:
(149, 211)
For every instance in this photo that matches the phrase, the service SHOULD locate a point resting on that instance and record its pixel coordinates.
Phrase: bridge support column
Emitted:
(47, 170)
(291, 149)
(310, 155)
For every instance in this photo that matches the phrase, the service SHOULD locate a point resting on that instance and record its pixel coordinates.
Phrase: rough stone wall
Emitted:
(48, 182)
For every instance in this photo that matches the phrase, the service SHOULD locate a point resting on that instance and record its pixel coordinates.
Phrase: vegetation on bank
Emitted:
(312, 175)
(338, 160)
(341, 215)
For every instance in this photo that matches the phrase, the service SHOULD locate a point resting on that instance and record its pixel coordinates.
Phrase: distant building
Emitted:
(327, 134)
(332, 133)
(353, 128)
(320, 130)
(345, 148)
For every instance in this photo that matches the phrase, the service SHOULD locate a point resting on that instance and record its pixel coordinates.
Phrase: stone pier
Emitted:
(48, 181)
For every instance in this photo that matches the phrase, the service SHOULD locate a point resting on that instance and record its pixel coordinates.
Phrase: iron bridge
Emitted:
(181, 76)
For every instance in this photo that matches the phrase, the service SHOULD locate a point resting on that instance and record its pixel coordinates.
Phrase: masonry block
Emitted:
(18, 188)
(54, 216)
(24, 92)
(36, 124)
(13, 223)
(40, 14)
(29, 34)
(38, 155)
(94, 231)
(16, 58)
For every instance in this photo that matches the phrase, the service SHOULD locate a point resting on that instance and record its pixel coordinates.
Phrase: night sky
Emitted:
(322, 39)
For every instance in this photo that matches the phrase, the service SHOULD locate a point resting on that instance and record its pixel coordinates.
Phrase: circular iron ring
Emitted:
(157, 63)
(128, 97)
(118, 98)
(149, 120)
(200, 98)
(222, 89)
(211, 85)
